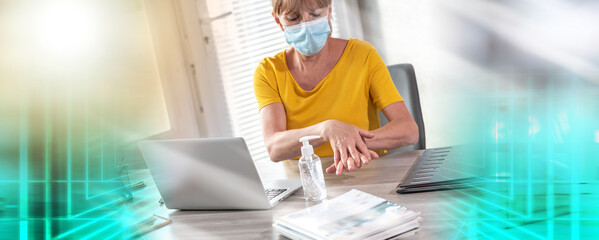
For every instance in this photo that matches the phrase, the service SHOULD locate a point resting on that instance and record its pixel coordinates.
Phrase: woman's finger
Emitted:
(363, 159)
(363, 149)
(355, 158)
(343, 154)
(353, 152)
(339, 168)
(366, 134)
(331, 169)
(373, 154)
(351, 165)
(336, 153)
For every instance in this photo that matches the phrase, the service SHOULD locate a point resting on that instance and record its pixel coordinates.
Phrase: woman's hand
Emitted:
(348, 145)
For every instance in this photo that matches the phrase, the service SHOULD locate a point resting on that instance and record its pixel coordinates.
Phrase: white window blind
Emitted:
(244, 32)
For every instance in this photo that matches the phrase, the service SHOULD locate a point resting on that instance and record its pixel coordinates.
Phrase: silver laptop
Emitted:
(211, 173)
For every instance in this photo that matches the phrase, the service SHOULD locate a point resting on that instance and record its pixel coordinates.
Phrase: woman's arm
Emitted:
(346, 140)
(400, 131)
(281, 143)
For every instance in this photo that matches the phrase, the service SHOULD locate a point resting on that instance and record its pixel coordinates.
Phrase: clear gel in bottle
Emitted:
(311, 172)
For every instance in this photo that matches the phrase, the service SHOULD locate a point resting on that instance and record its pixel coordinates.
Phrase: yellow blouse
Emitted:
(353, 91)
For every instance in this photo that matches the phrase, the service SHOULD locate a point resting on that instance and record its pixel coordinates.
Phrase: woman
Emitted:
(328, 87)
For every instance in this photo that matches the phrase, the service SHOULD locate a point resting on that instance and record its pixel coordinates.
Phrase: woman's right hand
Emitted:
(348, 145)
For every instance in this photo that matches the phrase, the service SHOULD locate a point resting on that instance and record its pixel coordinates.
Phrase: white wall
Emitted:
(463, 50)
(420, 33)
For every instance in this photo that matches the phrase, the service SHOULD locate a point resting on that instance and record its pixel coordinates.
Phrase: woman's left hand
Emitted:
(339, 164)
(348, 144)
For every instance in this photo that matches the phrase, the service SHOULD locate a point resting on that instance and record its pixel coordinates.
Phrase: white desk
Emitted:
(379, 178)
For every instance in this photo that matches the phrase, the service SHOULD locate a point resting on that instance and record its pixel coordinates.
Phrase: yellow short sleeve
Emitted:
(382, 89)
(264, 87)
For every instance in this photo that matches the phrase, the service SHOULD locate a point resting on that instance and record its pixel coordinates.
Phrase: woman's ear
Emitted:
(278, 21)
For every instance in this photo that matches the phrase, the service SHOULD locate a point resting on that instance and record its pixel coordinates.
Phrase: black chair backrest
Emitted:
(404, 79)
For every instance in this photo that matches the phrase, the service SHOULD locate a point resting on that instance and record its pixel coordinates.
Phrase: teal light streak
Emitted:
(85, 225)
(492, 216)
(112, 190)
(69, 152)
(66, 219)
(87, 148)
(491, 203)
(492, 192)
(117, 181)
(484, 136)
(464, 214)
(76, 216)
(574, 168)
(469, 235)
(462, 231)
(511, 154)
(550, 158)
(529, 140)
(111, 202)
(496, 132)
(60, 181)
(102, 141)
(135, 173)
(115, 131)
(113, 235)
(48, 159)
(23, 168)
(497, 230)
(148, 206)
(107, 215)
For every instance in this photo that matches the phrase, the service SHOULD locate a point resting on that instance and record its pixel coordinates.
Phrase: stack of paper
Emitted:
(353, 215)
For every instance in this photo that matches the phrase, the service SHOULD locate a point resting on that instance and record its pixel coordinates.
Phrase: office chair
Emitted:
(404, 79)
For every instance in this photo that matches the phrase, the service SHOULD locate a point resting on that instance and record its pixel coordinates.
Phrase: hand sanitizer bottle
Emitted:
(311, 172)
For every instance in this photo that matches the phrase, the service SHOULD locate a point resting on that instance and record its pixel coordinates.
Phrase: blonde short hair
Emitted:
(280, 7)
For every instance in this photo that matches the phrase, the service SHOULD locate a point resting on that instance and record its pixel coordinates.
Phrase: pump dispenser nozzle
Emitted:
(307, 149)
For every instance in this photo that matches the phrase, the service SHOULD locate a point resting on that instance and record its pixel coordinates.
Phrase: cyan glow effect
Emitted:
(534, 125)
(542, 173)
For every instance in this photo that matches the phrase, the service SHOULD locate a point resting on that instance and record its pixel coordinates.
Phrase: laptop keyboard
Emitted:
(272, 193)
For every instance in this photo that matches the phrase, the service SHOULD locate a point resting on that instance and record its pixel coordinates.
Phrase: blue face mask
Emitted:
(309, 37)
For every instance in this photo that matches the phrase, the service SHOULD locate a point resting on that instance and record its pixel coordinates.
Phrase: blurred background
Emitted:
(82, 81)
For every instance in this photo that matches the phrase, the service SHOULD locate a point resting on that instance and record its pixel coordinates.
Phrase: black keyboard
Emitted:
(272, 193)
